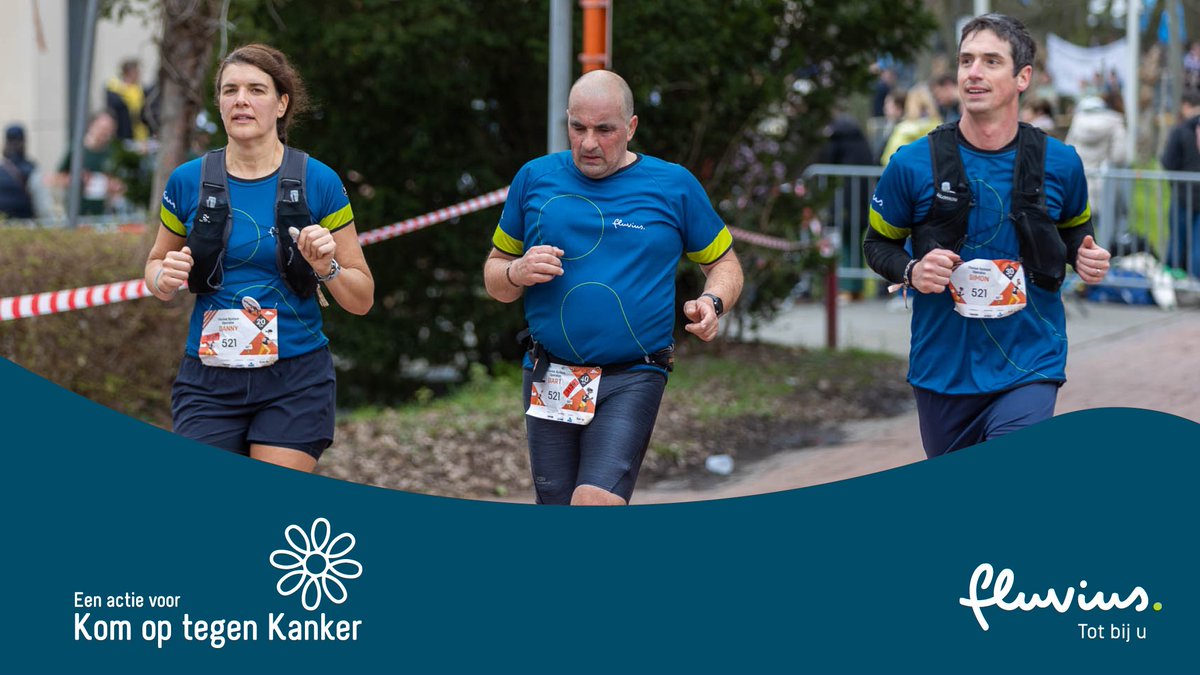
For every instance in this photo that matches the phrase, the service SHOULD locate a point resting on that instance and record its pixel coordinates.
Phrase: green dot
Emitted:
(1158, 606)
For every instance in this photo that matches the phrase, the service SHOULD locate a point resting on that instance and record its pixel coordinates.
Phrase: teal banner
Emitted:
(1066, 547)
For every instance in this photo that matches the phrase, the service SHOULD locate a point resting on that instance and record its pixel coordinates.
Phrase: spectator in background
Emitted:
(945, 92)
(1098, 134)
(99, 185)
(920, 118)
(847, 144)
(16, 174)
(881, 128)
(1191, 66)
(883, 86)
(1182, 153)
(124, 98)
(1043, 88)
(1112, 91)
(1040, 114)
(23, 191)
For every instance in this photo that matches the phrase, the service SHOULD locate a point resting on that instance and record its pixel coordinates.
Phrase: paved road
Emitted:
(1120, 356)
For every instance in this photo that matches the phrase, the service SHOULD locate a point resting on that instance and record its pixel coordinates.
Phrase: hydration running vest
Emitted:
(1045, 249)
(209, 236)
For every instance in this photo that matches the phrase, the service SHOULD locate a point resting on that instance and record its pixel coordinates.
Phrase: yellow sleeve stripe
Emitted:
(507, 244)
(716, 249)
(338, 218)
(1079, 219)
(887, 229)
(171, 222)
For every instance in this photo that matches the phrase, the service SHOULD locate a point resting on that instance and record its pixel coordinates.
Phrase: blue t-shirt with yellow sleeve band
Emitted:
(950, 353)
(250, 268)
(623, 236)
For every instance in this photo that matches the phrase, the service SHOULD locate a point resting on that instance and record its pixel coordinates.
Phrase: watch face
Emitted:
(718, 304)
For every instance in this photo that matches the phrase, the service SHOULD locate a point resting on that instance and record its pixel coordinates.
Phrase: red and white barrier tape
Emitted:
(764, 240)
(38, 304)
(420, 222)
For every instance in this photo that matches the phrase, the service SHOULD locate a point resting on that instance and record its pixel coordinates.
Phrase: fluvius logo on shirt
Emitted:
(618, 223)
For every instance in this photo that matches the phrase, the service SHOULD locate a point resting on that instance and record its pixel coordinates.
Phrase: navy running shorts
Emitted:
(288, 404)
(950, 423)
(608, 452)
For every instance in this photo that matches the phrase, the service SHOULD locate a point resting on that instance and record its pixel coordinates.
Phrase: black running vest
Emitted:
(209, 236)
(1045, 249)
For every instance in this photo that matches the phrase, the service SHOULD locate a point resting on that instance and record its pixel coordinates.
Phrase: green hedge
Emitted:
(122, 355)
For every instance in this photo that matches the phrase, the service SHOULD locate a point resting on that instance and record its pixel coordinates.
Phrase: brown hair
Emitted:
(287, 81)
(1007, 28)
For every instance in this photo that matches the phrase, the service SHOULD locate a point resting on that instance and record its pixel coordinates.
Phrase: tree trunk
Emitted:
(185, 53)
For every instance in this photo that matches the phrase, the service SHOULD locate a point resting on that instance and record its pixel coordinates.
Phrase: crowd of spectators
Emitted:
(117, 162)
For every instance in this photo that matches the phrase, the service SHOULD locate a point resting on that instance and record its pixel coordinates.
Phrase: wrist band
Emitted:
(334, 270)
(907, 278)
(509, 277)
(155, 283)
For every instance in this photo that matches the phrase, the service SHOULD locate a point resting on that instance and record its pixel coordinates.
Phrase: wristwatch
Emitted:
(334, 270)
(718, 304)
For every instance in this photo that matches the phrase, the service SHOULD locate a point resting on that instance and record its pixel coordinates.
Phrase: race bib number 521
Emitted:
(240, 338)
(988, 289)
(568, 394)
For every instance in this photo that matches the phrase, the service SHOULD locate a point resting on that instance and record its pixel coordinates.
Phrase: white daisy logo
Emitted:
(317, 565)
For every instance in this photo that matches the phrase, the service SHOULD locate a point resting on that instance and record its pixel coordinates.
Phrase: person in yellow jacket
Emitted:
(124, 97)
(920, 118)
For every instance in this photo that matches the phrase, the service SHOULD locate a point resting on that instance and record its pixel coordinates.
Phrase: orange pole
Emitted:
(595, 35)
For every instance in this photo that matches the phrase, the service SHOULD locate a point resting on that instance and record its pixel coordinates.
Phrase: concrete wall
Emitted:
(33, 75)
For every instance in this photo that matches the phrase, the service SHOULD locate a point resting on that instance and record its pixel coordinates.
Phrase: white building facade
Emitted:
(35, 52)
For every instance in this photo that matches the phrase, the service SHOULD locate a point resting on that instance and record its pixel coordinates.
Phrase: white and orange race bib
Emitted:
(988, 289)
(240, 338)
(568, 394)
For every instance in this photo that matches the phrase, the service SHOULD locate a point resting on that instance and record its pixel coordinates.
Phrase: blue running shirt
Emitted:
(952, 354)
(623, 236)
(250, 258)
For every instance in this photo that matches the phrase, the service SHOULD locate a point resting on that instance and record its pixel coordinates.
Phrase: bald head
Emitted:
(600, 124)
(603, 84)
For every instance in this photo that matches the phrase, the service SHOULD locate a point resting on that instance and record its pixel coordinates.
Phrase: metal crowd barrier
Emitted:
(1134, 212)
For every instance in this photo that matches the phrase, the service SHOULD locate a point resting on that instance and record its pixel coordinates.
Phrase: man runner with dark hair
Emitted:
(995, 211)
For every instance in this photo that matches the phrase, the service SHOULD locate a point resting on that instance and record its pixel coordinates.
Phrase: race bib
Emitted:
(988, 289)
(568, 394)
(240, 338)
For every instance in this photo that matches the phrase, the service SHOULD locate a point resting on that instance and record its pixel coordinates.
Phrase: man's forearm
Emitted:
(724, 279)
(886, 256)
(497, 279)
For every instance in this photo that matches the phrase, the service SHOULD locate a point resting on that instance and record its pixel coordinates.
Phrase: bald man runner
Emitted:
(591, 238)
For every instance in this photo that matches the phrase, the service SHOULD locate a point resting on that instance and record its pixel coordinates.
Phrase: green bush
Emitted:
(430, 103)
(122, 355)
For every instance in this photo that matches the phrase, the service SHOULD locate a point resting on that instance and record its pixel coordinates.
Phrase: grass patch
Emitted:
(766, 380)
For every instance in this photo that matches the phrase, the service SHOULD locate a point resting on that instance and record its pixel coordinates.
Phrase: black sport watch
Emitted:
(718, 304)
